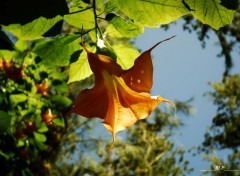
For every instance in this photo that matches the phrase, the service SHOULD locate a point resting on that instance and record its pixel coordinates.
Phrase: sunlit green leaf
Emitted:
(8, 55)
(211, 12)
(18, 98)
(126, 28)
(99, 5)
(58, 51)
(80, 69)
(153, 13)
(20, 143)
(83, 18)
(5, 121)
(39, 137)
(63, 87)
(43, 128)
(112, 31)
(59, 122)
(62, 100)
(111, 5)
(34, 29)
(21, 45)
(125, 55)
(80, 3)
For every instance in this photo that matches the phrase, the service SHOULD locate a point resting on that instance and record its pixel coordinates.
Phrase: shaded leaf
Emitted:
(5, 121)
(62, 100)
(58, 51)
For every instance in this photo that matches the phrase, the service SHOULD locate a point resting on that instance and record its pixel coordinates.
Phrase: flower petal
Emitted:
(126, 106)
(120, 97)
(140, 76)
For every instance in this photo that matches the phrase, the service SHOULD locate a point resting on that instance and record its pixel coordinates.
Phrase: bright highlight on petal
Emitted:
(119, 97)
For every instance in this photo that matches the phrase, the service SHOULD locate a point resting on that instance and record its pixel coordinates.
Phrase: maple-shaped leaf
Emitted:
(119, 97)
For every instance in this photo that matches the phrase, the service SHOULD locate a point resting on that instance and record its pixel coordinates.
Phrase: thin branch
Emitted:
(80, 10)
(95, 19)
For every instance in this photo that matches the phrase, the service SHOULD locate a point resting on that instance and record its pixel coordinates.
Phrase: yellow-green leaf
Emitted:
(153, 13)
(83, 18)
(80, 69)
(126, 28)
(211, 12)
(125, 55)
(34, 29)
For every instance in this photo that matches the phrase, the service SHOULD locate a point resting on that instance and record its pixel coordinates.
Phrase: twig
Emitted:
(95, 19)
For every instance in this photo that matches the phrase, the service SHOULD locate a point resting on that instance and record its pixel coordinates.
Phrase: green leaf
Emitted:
(80, 3)
(39, 137)
(43, 128)
(63, 87)
(111, 6)
(20, 143)
(32, 30)
(58, 51)
(8, 55)
(62, 100)
(5, 121)
(126, 28)
(59, 122)
(3, 154)
(153, 13)
(125, 55)
(84, 18)
(40, 145)
(18, 98)
(112, 31)
(21, 45)
(211, 12)
(80, 69)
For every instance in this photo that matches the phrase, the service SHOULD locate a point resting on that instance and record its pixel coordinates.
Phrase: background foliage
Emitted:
(40, 53)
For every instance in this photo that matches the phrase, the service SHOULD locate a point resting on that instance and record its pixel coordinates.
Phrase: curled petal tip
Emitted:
(174, 106)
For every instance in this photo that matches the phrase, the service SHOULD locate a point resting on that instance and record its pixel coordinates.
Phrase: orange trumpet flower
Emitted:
(119, 97)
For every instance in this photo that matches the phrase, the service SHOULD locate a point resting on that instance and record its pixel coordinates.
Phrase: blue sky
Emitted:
(182, 70)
